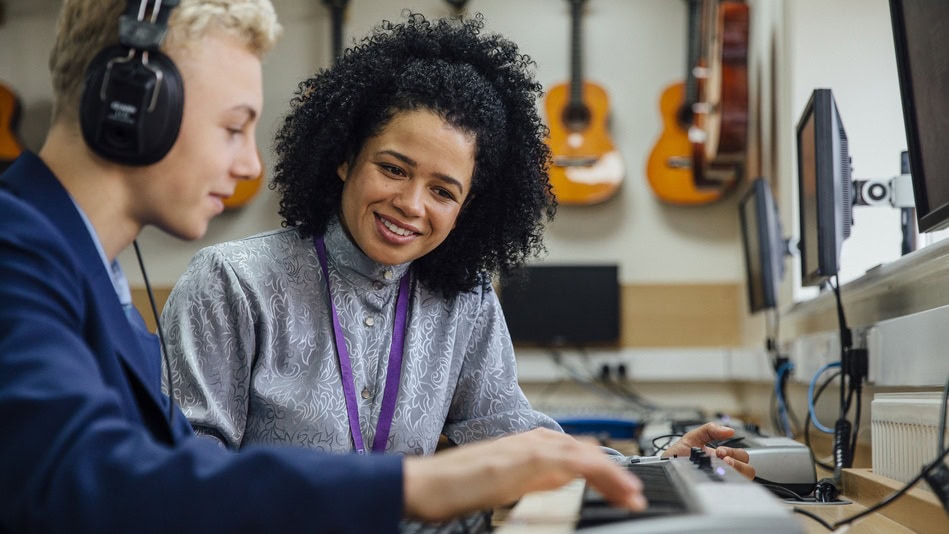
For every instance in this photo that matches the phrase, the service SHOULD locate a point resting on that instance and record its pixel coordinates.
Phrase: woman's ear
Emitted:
(464, 205)
(467, 202)
(343, 170)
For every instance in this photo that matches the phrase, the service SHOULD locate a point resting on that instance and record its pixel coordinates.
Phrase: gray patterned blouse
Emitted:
(253, 359)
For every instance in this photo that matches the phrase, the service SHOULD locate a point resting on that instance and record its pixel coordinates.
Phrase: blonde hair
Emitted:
(87, 26)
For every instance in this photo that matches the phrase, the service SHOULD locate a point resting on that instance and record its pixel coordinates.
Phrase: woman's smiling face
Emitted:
(404, 191)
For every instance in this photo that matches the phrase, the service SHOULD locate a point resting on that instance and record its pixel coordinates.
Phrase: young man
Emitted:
(88, 444)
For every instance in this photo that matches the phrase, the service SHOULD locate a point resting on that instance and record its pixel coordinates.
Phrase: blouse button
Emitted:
(387, 275)
(370, 321)
(366, 393)
(377, 285)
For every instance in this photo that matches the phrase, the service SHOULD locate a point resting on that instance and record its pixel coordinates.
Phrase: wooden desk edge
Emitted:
(918, 509)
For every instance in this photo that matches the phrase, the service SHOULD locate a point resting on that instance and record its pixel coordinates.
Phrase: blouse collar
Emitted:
(349, 258)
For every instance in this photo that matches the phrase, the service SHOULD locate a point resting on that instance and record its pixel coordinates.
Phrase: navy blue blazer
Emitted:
(85, 441)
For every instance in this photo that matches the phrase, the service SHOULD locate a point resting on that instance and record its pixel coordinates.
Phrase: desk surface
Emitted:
(871, 524)
(555, 512)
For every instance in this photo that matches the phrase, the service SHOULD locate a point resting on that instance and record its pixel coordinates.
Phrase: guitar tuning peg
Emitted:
(697, 135)
(701, 108)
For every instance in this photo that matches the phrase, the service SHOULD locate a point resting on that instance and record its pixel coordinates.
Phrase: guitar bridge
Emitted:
(679, 162)
(581, 161)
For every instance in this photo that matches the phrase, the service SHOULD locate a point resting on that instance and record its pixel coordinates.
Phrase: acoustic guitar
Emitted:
(586, 168)
(10, 145)
(669, 167)
(720, 135)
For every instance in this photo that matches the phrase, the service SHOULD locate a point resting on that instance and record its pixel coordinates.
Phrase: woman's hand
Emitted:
(701, 436)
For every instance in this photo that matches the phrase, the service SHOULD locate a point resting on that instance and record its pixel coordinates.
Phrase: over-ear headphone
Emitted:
(133, 95)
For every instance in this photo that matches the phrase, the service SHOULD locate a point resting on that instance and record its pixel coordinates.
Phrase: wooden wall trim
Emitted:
(653, 315)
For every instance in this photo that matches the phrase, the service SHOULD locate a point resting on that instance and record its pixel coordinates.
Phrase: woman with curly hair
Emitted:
(410, 173)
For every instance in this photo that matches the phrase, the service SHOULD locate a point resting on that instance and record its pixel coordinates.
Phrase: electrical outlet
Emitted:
(811, 352)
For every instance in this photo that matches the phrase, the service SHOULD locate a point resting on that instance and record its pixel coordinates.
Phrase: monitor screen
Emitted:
(921, 38)
(562, 305)
(824, 188)
(763, 245)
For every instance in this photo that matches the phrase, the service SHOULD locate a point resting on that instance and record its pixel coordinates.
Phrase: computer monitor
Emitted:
(763, 244)
(824, 188)
(562, 305)
(922, 62)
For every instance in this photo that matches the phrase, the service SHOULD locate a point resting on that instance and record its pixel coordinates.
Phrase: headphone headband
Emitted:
(139, 34)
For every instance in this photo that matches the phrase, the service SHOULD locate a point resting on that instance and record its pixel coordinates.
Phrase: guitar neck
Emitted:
(457, 5)
(337, 7)
(337, 34)
(576, 54)
(694, 52)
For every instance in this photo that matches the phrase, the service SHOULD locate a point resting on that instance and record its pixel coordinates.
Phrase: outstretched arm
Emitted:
(498, 472)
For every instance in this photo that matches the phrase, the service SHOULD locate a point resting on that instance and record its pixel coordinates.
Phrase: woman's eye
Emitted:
(391, 169)
(444, 193)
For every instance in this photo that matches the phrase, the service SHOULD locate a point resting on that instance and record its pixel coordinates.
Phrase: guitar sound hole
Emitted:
(684, 116)
(576, 117)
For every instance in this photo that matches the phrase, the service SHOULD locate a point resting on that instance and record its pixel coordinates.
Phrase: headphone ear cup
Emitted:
(116, 114)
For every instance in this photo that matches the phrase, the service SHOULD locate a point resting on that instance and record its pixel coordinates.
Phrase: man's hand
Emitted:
(701, 436)
(492, 473)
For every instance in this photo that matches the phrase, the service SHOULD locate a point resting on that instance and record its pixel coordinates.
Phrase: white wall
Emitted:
(25, 40)
(634, 48)
(847, 46)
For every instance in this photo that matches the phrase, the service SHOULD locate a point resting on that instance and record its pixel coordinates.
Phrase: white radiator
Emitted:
(903, 433)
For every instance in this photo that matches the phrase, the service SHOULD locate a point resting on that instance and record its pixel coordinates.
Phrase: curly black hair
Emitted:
(478, 83)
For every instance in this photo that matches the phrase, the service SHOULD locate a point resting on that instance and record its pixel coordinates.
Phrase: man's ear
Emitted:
(343, 170)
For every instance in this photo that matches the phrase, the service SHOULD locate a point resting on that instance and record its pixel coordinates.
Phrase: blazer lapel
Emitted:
(37, 185)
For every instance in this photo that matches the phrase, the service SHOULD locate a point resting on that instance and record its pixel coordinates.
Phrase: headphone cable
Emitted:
(161, 335)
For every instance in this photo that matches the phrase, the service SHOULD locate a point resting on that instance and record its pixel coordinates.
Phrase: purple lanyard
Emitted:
(393, 372)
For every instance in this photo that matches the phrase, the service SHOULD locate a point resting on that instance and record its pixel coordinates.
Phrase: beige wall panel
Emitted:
(681, 315)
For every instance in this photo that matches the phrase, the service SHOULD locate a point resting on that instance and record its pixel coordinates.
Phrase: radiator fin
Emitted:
(903, 433)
